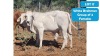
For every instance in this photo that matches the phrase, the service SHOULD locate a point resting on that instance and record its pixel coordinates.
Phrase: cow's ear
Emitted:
(19, 19)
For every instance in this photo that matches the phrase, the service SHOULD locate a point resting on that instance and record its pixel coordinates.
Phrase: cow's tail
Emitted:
(71, 21)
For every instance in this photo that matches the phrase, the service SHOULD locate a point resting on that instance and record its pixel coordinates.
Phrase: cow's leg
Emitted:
(70, 35)
(70, 38)
(56, 36)
(37, 39)
(55, 39)
(41, 31)
(69, 29)
(65, 39)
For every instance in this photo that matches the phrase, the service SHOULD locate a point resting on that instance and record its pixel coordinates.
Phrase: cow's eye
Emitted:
(25, 16)
(32, 17)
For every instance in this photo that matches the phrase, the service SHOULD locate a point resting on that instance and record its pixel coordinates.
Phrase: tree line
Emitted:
(45, 5)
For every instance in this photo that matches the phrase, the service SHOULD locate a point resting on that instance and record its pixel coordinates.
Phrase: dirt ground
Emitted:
(50, 49)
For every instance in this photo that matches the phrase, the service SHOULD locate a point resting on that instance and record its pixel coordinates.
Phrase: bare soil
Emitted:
(51, 49)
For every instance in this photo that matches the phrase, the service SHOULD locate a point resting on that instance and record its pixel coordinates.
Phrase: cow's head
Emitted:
(29, 17)
(29, 20)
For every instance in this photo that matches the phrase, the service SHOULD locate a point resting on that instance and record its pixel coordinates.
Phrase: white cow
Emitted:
(41, 22)
(49, 21)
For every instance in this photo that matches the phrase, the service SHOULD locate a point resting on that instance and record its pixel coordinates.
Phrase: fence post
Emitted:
(78, 22)
(25, 5)
(39, 6)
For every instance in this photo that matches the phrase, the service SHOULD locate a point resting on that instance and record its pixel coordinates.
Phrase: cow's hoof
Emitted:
(70, 48)
(62, 48)
(39, 47)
